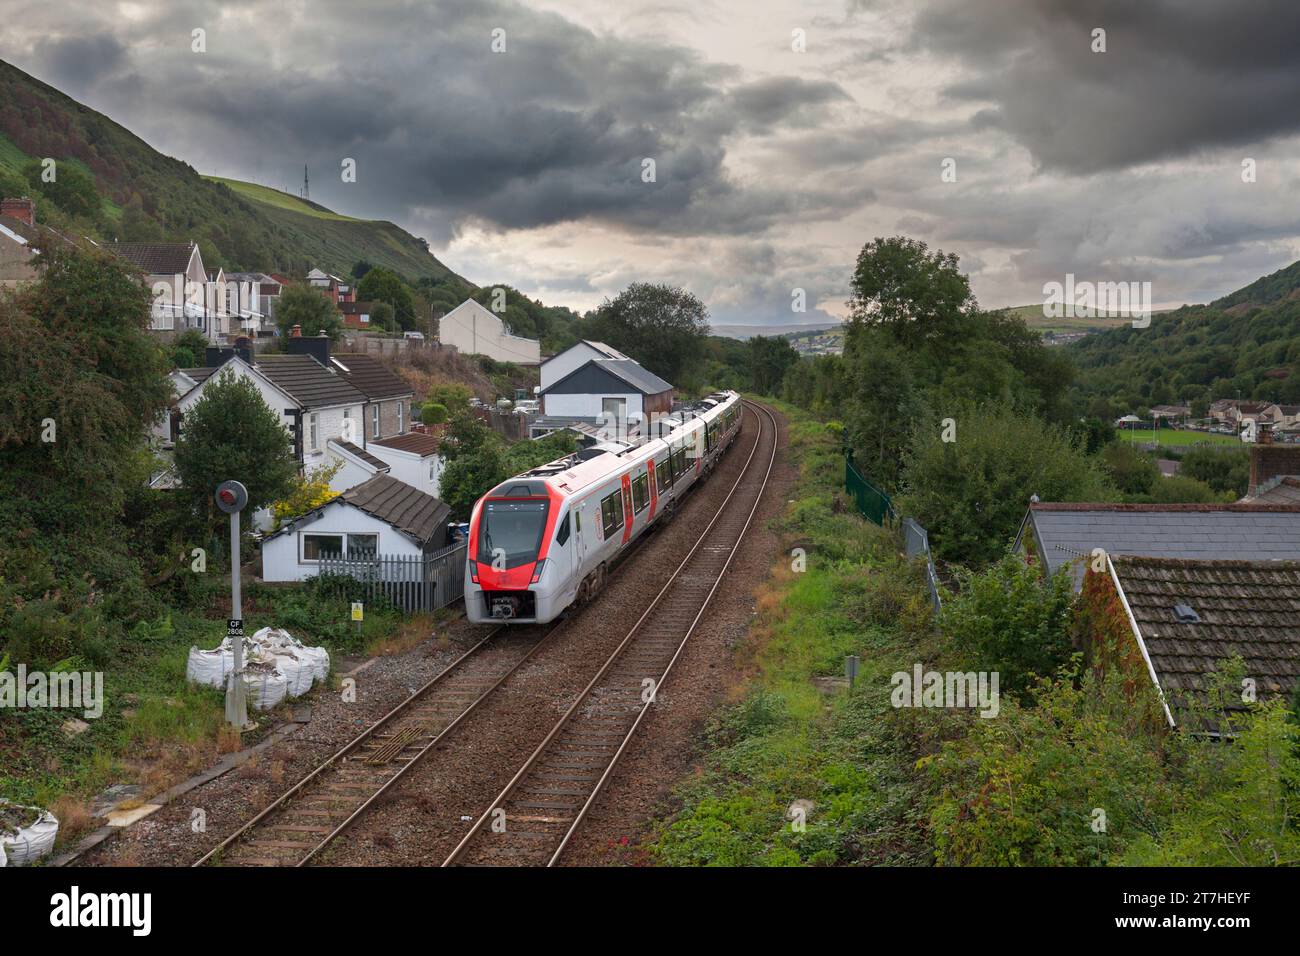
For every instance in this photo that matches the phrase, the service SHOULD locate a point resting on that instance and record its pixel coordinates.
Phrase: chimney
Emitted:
(1269, 461)
(244, 348)
(296, 332)
(24, 210)
(317, 346)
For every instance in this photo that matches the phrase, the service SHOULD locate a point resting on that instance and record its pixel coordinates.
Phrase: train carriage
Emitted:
(545, 540)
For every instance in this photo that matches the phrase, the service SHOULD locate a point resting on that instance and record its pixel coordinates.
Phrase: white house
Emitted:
(174, 272)
(356, 465)
(607, 388)
(573, 358)
(382, 516)
(412, 458)
(475, 330)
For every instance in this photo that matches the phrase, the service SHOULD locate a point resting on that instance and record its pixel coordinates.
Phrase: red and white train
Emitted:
(544, 540)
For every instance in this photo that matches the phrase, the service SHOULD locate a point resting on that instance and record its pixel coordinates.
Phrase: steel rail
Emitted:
(760, 412)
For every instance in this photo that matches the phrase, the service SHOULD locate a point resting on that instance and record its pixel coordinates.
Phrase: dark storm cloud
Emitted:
(81, 60)
(1178, 76)
(554, 129)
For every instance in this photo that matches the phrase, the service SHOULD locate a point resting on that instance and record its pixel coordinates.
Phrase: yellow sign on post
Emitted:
(358, 613)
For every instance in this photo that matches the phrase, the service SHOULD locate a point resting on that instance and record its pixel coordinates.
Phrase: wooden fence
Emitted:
(413, 583)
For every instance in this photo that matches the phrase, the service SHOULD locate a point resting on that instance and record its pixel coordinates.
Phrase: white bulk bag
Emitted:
(31, 842)
(266, 688)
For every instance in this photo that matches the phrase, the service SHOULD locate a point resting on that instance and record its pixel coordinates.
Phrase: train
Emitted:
(544, 541)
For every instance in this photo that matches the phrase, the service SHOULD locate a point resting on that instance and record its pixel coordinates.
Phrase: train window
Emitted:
(640, 493)
(710, 435)
(679, 463)
(562, 535)
(611, 512)
(663, 473)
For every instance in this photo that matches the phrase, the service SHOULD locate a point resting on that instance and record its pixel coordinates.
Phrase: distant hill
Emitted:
(749, 331)
(149, 196)
(1035, 319)
(1245, 344)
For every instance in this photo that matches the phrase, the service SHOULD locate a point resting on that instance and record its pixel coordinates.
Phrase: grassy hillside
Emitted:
(149, 196)
(1235, 347)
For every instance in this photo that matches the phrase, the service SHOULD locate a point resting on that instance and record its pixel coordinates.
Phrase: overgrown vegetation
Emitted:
(1077, 768)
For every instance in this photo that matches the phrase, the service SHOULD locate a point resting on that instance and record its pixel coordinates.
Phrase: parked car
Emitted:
(414, 335)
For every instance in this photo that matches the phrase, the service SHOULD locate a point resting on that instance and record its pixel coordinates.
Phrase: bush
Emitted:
(971, 493)
(1009, 620)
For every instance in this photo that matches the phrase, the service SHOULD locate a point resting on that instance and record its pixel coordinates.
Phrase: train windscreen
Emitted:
(510, 532)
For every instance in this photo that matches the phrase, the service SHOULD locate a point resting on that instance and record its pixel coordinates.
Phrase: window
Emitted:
(374, 421)
(401, 419)
(613, 408)
(611, 513)
(679, 463)
(562, 536)
(314, 444)
(510, 531)
(710, 435)
(363, 545)
(640, 493)
(316, 545)
(663, 474)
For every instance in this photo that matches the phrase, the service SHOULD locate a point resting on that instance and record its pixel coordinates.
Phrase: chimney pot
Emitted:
(296, 332)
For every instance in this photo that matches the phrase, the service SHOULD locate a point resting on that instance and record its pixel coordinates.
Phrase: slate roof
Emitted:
(1067, 532)
(156, 258)
(640, 379)
(1285, 492)
(414, 442)
(605, 350)
(1246, 609)
(405, 507)
(358, 452)
(372, 377)
(309, 382)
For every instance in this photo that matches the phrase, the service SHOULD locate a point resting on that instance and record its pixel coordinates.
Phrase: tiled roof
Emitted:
(156, 258)
(309, 382)
(403, 506)
(199, 375)
(414, 442)
(1068, 532)
(1246, 609)
(356, 451)
(371, 376)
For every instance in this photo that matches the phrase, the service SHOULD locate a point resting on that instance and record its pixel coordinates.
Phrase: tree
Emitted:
(661, 326)
(384, 285)
(188, 349)
(916, 294)
(770, 357)
(971, 492)
(383, 317)
(231, 433)
(307, 493)
(433, 414)
(72, 190)
(360, 268)
(882, 405)
(306, 307)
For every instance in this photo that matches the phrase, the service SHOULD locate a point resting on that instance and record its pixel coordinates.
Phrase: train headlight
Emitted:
(473, 571)
(537, 571)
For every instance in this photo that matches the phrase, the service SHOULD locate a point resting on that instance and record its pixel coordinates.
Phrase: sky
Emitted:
(784, 135)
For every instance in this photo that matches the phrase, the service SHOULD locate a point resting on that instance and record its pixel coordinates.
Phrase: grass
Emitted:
(11, 156)
(1175, 437)
(796, 732)
(280, 200)
(156, 728)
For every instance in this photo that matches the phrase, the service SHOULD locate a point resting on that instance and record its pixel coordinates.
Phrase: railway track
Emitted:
(534, 817)
(300, 824)
(309, 816)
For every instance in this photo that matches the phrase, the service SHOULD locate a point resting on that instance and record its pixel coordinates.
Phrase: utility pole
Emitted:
(231, 498)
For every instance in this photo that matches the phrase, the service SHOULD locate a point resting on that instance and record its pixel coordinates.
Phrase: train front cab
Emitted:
(520, 550)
